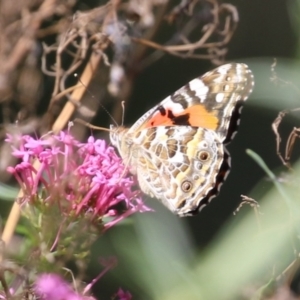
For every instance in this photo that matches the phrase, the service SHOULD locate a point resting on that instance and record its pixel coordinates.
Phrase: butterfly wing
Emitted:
(183, 166)
(211, 101)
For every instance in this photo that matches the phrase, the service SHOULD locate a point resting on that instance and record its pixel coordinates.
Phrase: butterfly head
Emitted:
(114, 136)
(119, 139)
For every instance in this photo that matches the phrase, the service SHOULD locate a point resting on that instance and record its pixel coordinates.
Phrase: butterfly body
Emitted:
(177, 148)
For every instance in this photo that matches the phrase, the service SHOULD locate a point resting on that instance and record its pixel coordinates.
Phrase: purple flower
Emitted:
(53, 287)
(49, 286)
(83, 179)
(123, 295)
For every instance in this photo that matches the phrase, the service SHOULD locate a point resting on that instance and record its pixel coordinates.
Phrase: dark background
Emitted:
(267, 30)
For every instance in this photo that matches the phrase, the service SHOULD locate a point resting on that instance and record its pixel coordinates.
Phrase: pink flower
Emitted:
(53, 287)
(86, 179)
(123, 295)
(50, 286)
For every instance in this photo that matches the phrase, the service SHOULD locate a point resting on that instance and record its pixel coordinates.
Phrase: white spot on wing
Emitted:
(219, 97)
(176, 108)
(169, 104)
(199, 87)
(224, 69)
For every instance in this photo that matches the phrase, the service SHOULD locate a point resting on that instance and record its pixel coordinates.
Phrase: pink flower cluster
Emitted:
(53, 287)
(82, 178)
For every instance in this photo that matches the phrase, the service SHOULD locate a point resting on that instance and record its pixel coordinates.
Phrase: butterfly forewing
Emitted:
(208, 101)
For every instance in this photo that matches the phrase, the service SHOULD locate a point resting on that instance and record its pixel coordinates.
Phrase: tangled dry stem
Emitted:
(295, 132)
(48, 39)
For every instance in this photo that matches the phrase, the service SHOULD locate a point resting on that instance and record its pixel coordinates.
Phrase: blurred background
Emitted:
(215, 254)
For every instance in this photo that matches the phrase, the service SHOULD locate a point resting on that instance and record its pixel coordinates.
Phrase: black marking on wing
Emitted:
(225, 168)
(193, 98)
(186, 97)
(162, 110)
(177, 97)
(179, 120)
(175, 120)
(234, 121)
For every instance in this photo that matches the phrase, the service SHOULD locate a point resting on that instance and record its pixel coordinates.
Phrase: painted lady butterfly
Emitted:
(176, 149)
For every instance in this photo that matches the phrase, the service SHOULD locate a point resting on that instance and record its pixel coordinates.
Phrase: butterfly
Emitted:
(177, 148)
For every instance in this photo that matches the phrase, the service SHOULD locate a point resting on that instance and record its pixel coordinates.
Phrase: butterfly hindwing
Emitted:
(178, 165)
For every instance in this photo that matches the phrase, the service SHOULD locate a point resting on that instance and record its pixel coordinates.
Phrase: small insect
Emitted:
(177, 148)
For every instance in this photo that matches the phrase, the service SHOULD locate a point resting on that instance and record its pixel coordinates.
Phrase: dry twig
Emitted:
(295, 133)
(116, 34)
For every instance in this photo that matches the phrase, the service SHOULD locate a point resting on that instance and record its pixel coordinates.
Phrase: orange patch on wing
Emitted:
(200, 117)
(197, 116)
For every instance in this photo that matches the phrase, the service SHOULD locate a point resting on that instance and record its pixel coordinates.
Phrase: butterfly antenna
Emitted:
(102, 106)
(123, 112)
(80, 121)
